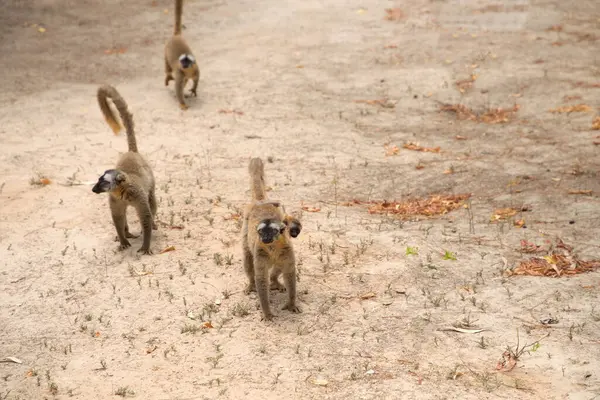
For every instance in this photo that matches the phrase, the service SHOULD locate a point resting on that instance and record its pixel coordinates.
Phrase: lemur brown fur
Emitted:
(267, 246)
(131, 183)
(180, 61)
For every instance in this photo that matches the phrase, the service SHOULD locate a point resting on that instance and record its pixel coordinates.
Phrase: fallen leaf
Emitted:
(207, 325)
(385, 103)
(461, 330)
(12, 359)
(596, 123)
(449, 171)
(393, 14)
(571, 109)
(168, 249)
(311, 209)
(560, 262)
(503, 213)
(465, 84)
(528, 247)
(320, 381)
(586, 192)
(96, 334)
(228, 111)
(391, 150)
(419, 166)
(491, 116)
(459, 137)
(507, 362)
(366, 296)
(416, 147)
(45, 181)
(519, 223)
(41, 29)
(431, 206)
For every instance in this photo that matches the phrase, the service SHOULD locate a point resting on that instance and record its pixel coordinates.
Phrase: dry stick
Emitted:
(470, 213)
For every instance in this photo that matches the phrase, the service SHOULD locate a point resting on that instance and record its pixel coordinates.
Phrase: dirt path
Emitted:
(325, 92)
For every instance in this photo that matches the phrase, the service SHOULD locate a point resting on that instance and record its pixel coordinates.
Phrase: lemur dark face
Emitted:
(186, 60)
(295, 228)
(108, 181)
(269, 230)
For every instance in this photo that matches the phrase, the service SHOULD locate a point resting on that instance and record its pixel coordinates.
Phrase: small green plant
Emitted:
(412, 251)
(218, 258)
(187, 328)
(448, 255)
(124, 391)
(240, 310)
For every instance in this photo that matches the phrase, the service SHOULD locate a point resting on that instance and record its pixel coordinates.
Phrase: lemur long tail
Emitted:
(257, 179)
(178, 12)
(104, 93)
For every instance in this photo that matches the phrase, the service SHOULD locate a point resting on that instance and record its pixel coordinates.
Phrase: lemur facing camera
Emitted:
(267, 246)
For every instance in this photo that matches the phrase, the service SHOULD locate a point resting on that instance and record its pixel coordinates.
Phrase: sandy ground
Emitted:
(294, 82)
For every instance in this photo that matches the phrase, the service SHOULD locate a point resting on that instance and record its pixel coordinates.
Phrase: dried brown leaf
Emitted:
(560, 262)
(575, 191)
(571, 109)
(596, 123)
(385, 103)
(229, 111)
(416, 147)
(366, 296)
(502, 214)
(391, 150)
(491, 116)
(311, 209)
(168, 249)
(434, 205)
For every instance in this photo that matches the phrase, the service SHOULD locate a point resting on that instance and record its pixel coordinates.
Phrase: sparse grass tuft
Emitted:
(124, 391)
(240, 310)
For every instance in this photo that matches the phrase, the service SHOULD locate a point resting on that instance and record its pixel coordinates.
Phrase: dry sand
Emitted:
(91, 322)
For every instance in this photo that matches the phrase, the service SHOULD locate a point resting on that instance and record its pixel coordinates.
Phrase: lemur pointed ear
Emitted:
(119, 177)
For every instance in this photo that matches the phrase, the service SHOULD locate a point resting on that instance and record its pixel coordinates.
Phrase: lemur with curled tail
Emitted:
(180, 61)
(267, 246)
(131, 182)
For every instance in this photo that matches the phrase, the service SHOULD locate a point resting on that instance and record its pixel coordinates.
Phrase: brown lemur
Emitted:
(267, 246)
(131, 183)
(180, 60)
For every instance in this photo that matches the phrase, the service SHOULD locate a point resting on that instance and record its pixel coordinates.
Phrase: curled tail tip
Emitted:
(114, 125)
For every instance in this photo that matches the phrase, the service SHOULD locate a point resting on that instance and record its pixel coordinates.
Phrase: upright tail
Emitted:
(257, 179)
(178, 12)
(104, 93)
